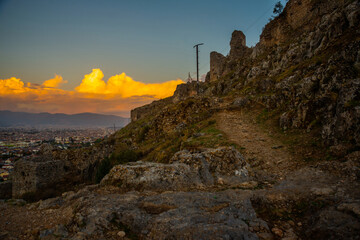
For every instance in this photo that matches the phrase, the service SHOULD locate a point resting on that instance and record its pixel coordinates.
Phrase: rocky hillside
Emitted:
(305, 69)
(266, 148)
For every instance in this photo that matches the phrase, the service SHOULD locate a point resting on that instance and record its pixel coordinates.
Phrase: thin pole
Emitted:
(197, 60)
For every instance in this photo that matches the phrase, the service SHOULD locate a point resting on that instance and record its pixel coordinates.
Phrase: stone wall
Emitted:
(182, 92)
(238, 48)
(191, 89)
(36, 175)
(217, 65)
(145, 110)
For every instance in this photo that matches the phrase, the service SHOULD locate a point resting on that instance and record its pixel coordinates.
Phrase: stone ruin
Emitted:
(34, 175)
(238, 50)
(39, 176)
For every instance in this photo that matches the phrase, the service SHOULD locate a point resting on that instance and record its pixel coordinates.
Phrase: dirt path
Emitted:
(264, 153)
(19, 222)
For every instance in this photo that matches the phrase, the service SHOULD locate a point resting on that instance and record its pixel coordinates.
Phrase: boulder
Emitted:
(142, 176)
(169, 215)
(224, 165)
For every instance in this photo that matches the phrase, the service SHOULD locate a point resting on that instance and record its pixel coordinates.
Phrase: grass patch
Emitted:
(116, 158)
(287, 73)
(207, 136)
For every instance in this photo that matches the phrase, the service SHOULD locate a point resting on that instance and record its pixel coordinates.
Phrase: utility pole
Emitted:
(197, 60)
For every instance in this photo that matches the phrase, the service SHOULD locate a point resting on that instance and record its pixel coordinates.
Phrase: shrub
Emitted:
(103, 169)
(123, 156)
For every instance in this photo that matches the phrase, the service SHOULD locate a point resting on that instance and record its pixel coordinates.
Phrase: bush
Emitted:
(123, 157)
(103, 169)
(116, 158)
(278, 8)
(142, 134)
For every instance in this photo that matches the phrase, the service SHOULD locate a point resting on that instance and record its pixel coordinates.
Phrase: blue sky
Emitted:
(151, 41)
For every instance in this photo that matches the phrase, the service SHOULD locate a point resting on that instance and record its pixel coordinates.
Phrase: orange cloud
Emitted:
(54, 83)
(124, 86)
(118, 95)
(11, 86)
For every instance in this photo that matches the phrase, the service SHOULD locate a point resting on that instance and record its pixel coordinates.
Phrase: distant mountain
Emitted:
(60, 120)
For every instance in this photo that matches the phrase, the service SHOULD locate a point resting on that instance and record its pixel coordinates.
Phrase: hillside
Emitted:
(266, 148)
(59, 120)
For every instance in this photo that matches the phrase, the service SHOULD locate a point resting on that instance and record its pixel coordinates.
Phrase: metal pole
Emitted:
(197, 61)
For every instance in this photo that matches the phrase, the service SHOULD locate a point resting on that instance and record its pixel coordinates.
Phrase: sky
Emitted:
(109, 56)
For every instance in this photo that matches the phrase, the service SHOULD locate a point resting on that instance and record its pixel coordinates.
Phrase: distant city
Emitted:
(16, 143)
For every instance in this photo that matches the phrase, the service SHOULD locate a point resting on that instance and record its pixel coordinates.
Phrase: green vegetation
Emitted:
(287, 73)
(184, 125)
(142, 133)
(205, 134)
(118, 157)
(278, 8)
(267, 114)
(103, 169)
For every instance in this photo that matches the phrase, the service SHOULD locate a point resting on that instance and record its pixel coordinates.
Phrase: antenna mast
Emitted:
(197, 60)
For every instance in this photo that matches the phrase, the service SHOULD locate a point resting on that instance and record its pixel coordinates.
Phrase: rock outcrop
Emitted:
(169, 215)
(306, 64)
(186, 171)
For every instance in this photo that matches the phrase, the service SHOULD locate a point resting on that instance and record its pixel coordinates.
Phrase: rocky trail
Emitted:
(262, 152)
(294, 183)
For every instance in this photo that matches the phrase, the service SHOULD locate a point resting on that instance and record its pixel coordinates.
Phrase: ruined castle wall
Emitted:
(31, 176)
(148, 109)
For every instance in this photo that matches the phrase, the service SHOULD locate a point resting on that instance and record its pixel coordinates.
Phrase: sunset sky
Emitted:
(110, 56)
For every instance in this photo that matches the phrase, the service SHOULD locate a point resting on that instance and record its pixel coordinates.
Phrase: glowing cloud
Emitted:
(11, 85)
(92, 83)
(54, 83)
(125, 86)
(118, 95)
